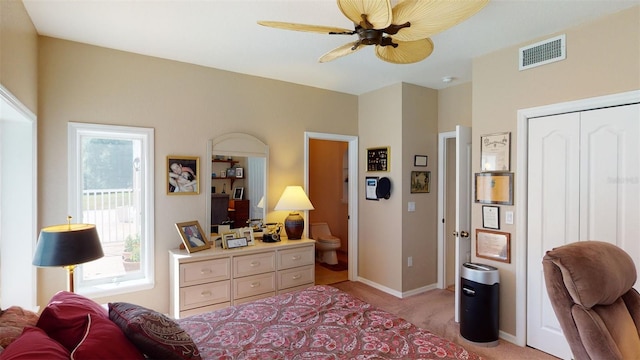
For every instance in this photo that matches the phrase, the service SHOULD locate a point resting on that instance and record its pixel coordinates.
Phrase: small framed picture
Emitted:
(234, 243)
(228, 236)
(238, 193)
(239, 173)
(491, 217)
(420, 160)
(420, 181)
(182, 175)
(493, 245)
(371, 183)
(231, 172)
(247, 232)
(192, 236)
(378, 159)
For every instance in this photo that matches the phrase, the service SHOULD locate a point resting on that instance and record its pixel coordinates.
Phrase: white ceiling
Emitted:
(223, 34)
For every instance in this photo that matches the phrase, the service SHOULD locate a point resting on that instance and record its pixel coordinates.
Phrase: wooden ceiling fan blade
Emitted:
(429, 17)
(378, 12)
(341, 51)
(407, 52)
(308, 28)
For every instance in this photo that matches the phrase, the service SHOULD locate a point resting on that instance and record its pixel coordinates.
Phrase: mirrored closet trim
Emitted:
(254, 155)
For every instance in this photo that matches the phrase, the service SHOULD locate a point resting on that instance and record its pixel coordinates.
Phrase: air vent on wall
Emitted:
(543, 52)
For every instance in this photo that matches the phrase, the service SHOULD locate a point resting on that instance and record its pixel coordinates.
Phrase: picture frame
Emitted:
(192, 236)
(239, 173)
(493, 245)
(495, 152)
(183, 175)
(231, 172)
(371, 184)
(226, 236)
(238, 242)
(420, 181)
(378, 159)
(247, 232)
(420, 160)
(238, 192)
(494, 188)
(491, 217)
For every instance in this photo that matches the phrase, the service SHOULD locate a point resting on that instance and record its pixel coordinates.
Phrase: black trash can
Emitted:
(480, 304)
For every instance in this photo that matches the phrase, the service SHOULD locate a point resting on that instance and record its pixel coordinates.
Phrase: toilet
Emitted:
(326, 244)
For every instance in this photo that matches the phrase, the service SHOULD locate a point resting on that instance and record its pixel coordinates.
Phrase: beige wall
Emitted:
(380, 231)
(326, 183)
(454, 107)
(186, 105)
(419, 228)
(18, 53)
(603, 58)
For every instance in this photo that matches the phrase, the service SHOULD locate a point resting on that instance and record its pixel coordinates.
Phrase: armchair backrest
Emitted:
(590, 285)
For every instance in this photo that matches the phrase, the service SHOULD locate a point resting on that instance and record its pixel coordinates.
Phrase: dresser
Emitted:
(216, 278)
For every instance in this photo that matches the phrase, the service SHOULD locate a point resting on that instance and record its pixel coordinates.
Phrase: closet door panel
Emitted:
(610, 177)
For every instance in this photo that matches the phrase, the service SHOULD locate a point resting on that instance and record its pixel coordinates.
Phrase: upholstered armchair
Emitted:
(590, 285)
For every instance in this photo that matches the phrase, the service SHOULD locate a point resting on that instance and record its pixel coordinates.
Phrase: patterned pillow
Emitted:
(154, 334)
(104, 340)
(12, 321)
(34, 343)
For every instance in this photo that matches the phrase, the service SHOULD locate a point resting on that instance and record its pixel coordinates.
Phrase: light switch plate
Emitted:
(411, 206)
(508, 217)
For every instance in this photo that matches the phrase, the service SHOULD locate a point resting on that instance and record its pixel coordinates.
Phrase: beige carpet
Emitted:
(433, 310)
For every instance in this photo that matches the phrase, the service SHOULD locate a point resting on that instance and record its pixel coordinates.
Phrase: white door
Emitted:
(583, 181)
(463, 206)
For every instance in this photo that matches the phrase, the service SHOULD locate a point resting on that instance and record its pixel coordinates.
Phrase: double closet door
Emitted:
(583, 184)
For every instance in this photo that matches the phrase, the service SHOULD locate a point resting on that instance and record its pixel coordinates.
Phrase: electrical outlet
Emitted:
(411, 206)
(410, 261)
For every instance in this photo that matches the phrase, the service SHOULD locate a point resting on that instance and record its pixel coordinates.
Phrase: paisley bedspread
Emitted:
(320, 322)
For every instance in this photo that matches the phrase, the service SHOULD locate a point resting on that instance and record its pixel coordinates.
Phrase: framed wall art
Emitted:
(238, 193)
(491, 217)
(494, 188)
(192, 236)
(493, 245)
(420, 160)
(378, 159)
(420, 181)
(182, 175)
(495, 152)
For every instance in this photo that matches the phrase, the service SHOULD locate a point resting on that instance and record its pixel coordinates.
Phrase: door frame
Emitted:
(442, 149)
(523, 118)
(353, 190)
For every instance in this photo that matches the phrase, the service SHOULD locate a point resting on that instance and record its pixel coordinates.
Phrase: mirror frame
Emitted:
(235, 144)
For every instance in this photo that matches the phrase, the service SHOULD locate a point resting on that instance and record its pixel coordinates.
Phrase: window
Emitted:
(111, 186)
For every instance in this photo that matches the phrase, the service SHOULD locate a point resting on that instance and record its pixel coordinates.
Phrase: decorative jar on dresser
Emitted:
(216, 278)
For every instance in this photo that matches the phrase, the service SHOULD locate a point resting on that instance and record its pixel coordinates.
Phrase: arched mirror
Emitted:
(237, 185)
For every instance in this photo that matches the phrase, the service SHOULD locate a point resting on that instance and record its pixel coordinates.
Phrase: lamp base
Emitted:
(294, 226)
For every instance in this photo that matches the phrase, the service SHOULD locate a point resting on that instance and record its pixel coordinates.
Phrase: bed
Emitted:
(320, 322)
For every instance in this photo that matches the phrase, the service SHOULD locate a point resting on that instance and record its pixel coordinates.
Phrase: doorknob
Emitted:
(464, 234)
(455, 233)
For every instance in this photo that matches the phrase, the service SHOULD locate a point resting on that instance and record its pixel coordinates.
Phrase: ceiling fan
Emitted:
(400, 34)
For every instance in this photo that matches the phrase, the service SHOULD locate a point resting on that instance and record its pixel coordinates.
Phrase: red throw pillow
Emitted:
(156, 335)
(34, 344)
(65, 317)
(104, 340)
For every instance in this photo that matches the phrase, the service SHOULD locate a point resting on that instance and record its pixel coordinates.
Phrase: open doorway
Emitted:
(330, 180)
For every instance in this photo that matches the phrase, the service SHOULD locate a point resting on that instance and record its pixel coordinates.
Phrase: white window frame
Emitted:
(146, 135)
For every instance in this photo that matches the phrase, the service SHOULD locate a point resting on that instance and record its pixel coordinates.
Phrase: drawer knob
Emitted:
(255, 284)
(296, 276)
(295, 258)
(255, 263)
(205, 293)
(206, 271)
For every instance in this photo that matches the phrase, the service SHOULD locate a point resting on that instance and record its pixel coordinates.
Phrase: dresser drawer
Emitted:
(254, 285)
(254, 264)
(205, 294)
(296, 257)
(200, 272)
(296, 277)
